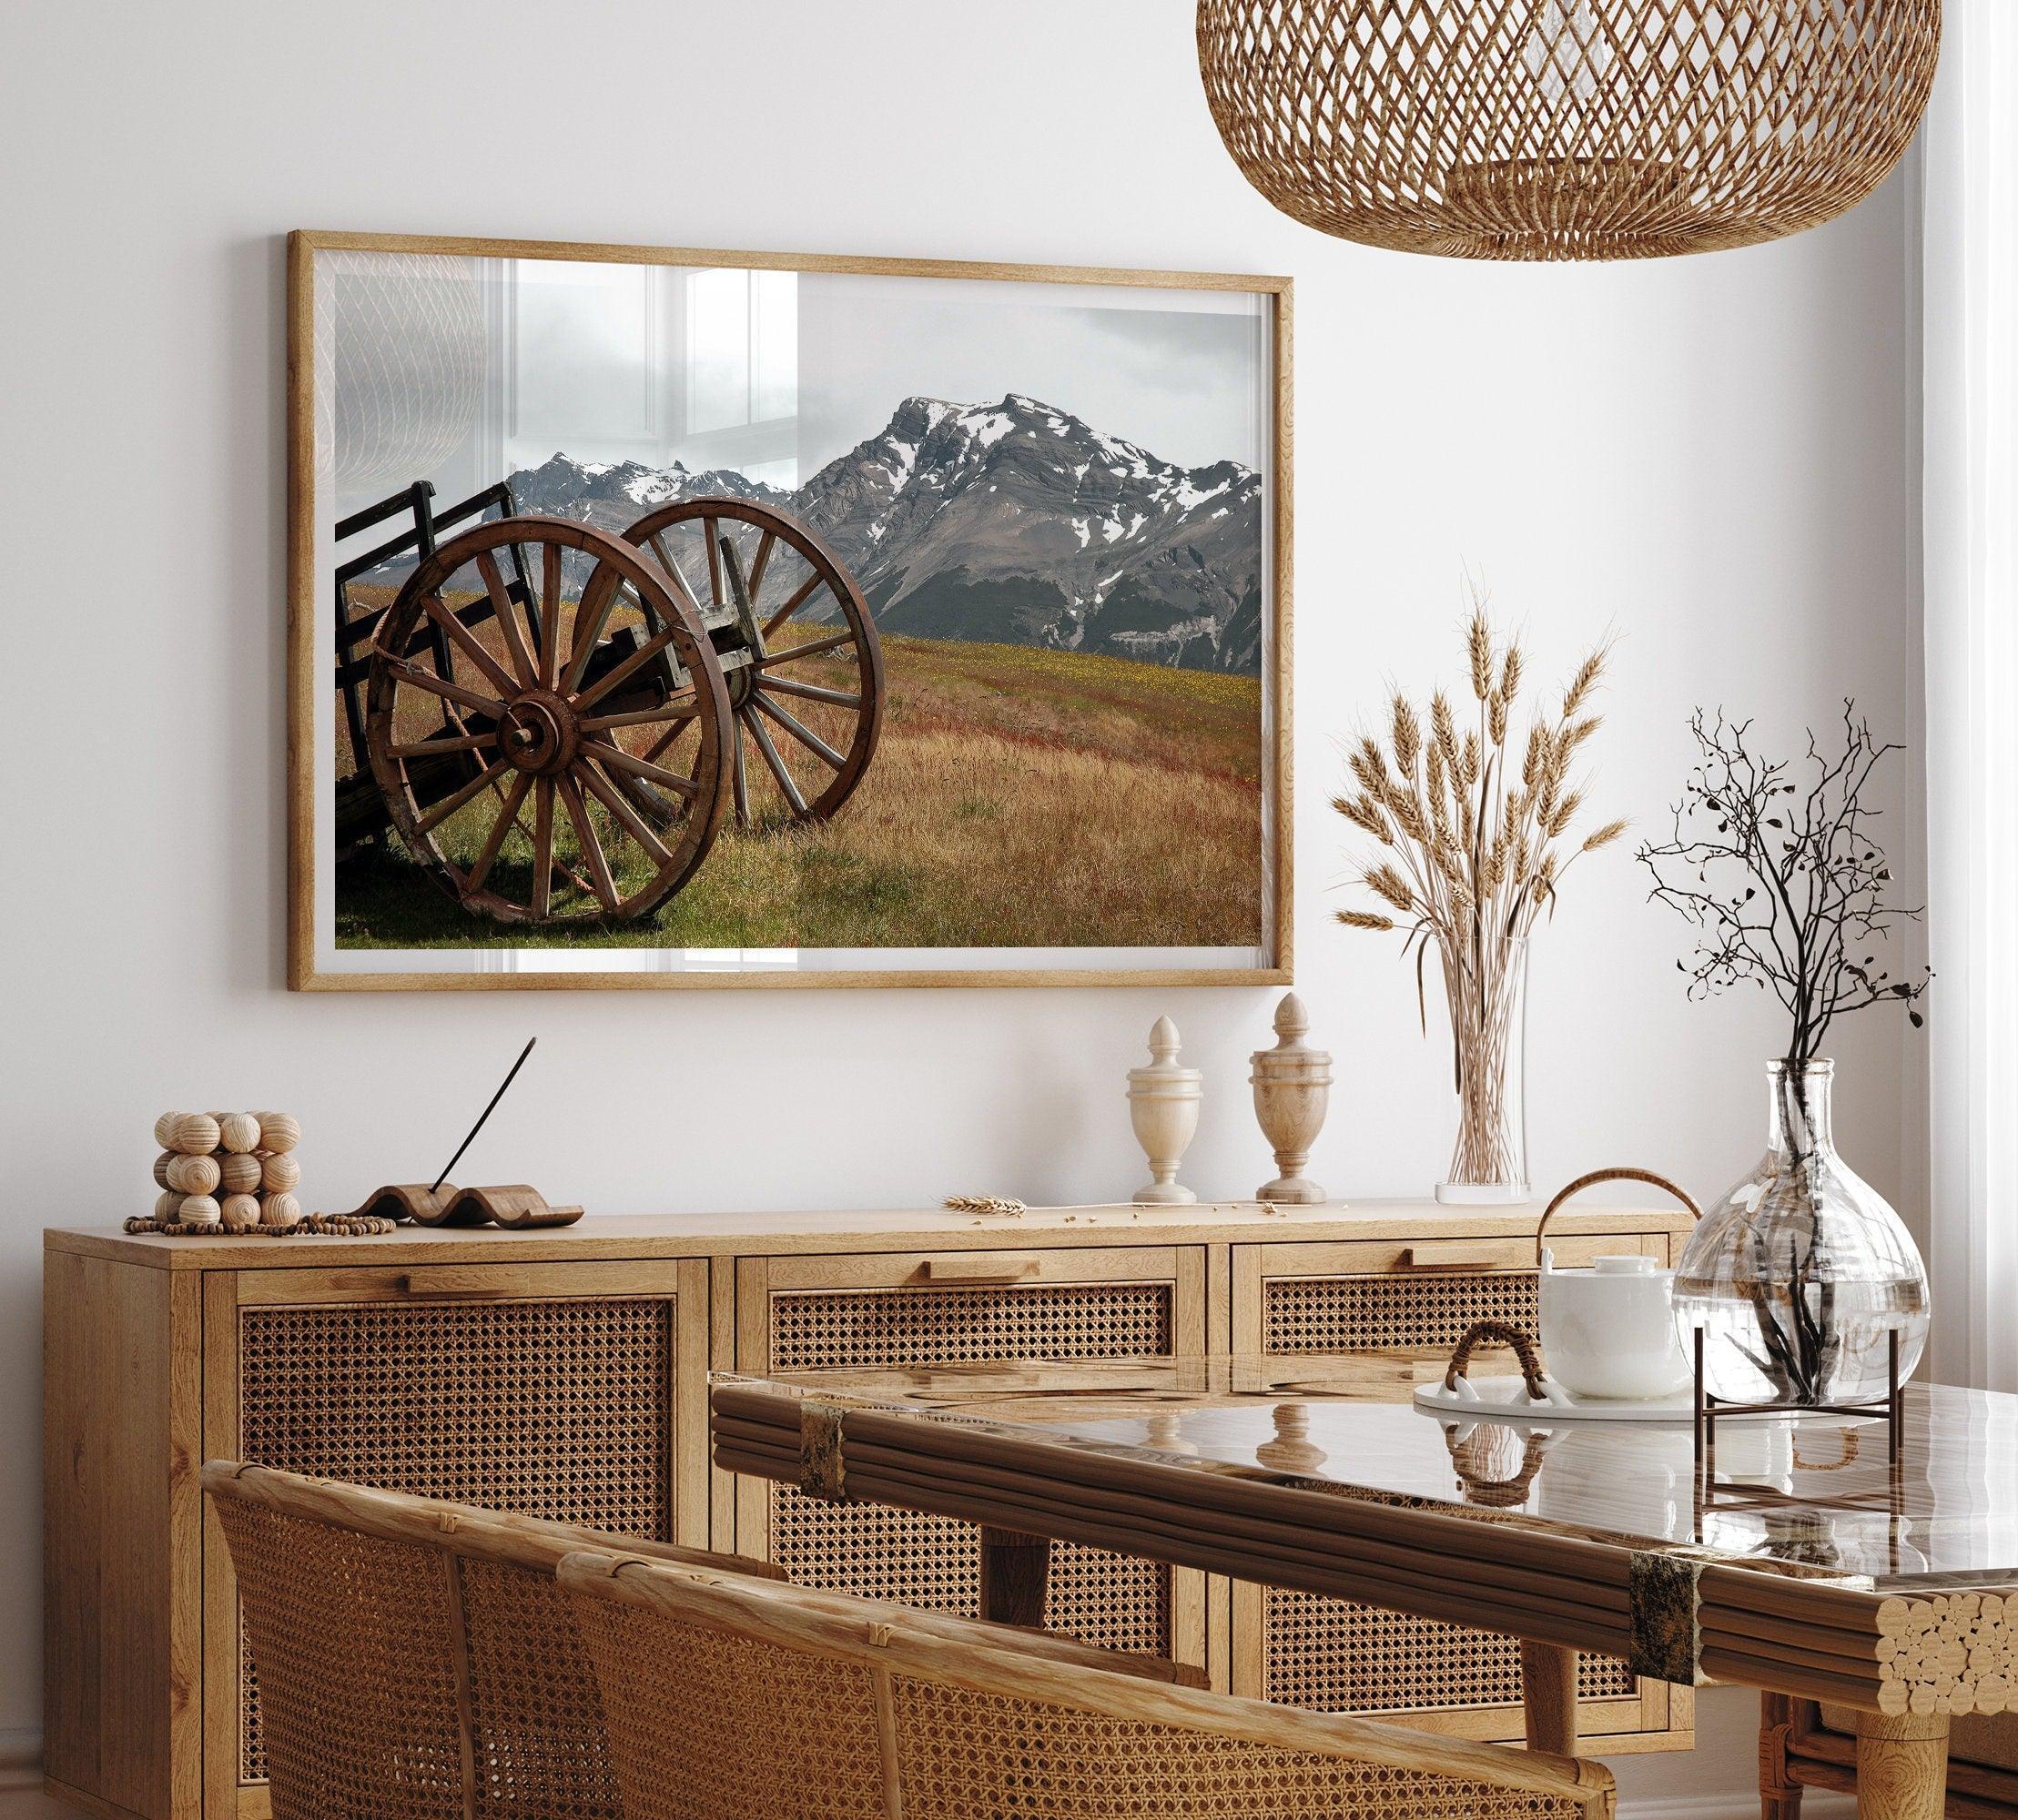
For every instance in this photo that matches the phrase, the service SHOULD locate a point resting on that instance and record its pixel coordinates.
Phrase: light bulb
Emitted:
(1566, 52)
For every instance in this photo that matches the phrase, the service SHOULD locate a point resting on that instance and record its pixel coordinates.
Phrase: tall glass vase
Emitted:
(1801, 1273)
(1486, 990)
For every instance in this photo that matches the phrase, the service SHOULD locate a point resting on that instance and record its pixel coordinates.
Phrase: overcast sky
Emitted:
(597, 363)
(1183, 379)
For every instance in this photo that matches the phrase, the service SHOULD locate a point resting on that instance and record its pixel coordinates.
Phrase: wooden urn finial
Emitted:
(1162, 1105)
(1293, 1091)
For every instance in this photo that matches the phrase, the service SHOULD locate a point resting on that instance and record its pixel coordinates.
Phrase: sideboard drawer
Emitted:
(574, 1392)
(1410, 1304)
(1397, 1297)
(915, 1309)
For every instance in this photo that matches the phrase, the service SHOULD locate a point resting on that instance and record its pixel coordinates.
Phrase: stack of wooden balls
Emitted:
(234, 1169)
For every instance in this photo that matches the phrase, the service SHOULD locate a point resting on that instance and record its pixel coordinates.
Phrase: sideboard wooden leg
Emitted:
(1015, 1568)
(1901, 1766)
(1548, 1695)
(1779, 1792)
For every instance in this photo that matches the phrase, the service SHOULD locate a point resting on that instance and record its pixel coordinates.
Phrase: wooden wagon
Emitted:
(557, 720)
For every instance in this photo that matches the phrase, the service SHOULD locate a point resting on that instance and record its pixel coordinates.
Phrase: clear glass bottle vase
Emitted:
(1485, 992)
(1799, 1273)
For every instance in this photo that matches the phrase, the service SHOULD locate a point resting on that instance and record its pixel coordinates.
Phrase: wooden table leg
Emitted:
(1548, 1695)
(1779, 1793)
(1014, 1568)
(1901, 1766)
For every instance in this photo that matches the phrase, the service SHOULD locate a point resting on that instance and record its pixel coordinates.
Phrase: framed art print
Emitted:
(671, 618)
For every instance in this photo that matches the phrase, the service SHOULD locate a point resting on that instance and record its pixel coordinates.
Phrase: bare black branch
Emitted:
(1783, 876)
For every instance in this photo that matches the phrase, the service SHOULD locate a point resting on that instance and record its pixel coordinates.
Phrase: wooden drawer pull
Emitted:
(982, 1269)
(1449, 1260)
(421, 1288)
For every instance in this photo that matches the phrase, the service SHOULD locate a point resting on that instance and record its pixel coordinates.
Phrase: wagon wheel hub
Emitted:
(539, 733)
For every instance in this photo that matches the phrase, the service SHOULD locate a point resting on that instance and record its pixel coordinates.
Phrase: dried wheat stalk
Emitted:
(1002, 1205)
(1475, 843)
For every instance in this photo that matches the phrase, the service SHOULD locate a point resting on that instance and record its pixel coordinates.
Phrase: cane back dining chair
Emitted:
(417, 1660)
(729, 1696)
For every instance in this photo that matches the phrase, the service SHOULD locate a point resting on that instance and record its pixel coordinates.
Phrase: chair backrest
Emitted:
(727, 1696)
(415, 1658)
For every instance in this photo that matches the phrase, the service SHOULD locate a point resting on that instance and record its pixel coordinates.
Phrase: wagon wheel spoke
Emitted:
(465, 641)
(441, 685)
(631, 665)
(711, 531)
(671, 564)
(817, 647)
(811, 691)
(616, 758)
(591, 848)
(799, 731)
(542, 846)
(761, 734)
(506, 820)
(598, 601)
(741, 778)
(676, 707)
(680, 725)
(448, 804)
(794, 602)
(550, 614)
(559, 862)
(761, 561)
(612, 799)
(506, 614)
(456, 743)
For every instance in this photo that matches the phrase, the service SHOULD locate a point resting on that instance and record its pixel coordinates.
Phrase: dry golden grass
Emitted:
(1019, 798)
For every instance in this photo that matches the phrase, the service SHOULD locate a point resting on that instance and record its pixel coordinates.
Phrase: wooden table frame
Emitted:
(1903, 1663)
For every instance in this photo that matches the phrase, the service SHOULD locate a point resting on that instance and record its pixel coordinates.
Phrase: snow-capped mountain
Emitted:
(1012, 522)
(613, 496)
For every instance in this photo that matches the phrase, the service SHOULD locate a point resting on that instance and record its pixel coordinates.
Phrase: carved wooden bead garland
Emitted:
(227, 1172)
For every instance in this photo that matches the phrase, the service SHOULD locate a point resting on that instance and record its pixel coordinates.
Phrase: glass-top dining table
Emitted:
(1802, 1556)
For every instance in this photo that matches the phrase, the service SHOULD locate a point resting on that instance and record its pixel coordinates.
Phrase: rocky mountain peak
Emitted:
(1012, 521)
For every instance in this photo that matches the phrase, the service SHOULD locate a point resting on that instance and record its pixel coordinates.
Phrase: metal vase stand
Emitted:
(1734, 1494)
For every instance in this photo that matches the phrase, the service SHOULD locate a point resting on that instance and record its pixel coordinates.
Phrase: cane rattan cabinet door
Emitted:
(797, 1313)
(1405, 1307)
(572, 1391)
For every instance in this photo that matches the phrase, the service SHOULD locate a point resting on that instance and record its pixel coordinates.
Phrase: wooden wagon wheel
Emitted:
(799, 652)
(565, 692)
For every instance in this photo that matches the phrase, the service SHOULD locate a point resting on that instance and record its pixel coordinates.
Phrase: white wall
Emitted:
(1707, 457)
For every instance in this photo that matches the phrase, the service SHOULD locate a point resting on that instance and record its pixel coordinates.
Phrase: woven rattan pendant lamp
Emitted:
(1566, 129)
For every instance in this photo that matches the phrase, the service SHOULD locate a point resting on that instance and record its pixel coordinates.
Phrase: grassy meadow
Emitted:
(1017, 798)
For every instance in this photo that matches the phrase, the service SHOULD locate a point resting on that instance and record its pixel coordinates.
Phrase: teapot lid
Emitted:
(1625, 1265)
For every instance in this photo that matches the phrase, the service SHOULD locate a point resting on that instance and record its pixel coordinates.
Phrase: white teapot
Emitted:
(1610, 1331)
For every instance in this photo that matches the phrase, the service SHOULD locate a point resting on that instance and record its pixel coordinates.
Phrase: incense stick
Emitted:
(483, 1114)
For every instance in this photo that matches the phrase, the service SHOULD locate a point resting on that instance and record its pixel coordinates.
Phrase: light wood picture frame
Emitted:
(1033, 726)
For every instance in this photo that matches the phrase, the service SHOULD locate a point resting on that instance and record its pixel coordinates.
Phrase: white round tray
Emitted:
(1506, 1399)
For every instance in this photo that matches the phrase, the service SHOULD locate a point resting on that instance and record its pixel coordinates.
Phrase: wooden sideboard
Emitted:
(565, 1374)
